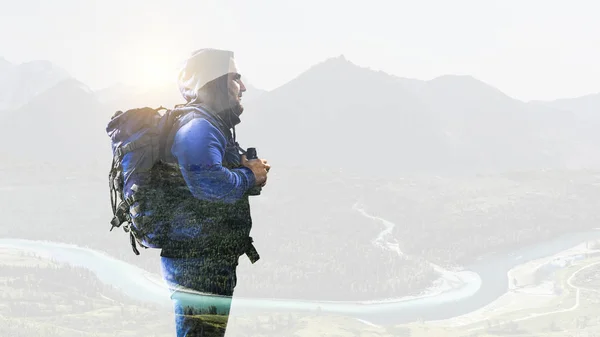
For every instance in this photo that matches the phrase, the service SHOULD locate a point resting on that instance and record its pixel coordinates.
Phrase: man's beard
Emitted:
(231, 115)
(237, 108)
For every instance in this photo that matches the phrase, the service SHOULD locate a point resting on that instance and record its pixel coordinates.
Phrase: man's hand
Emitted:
(259, 167)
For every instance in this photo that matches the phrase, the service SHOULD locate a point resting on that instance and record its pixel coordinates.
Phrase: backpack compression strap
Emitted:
(121, 211)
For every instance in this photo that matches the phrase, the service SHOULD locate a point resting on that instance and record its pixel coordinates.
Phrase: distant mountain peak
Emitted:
(66, 89)
(586, 97)
(465, 83)
(336, 61)
(39, 66)
(19, 83)
(4, 61)
(72, 82)
(335, 73)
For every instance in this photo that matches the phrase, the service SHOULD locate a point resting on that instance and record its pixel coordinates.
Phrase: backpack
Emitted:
(139, 142)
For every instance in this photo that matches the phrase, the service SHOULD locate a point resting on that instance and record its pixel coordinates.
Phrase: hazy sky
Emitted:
(528, 49)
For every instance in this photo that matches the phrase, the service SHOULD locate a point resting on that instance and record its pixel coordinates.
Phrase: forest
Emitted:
(315, 244)
(61, 300)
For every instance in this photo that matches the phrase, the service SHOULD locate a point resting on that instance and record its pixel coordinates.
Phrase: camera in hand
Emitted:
(251, 154)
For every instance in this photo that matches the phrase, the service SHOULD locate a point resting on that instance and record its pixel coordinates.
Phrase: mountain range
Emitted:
(340, 139)
(335, 116)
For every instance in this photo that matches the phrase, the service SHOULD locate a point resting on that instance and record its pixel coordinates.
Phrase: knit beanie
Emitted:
(203, 66)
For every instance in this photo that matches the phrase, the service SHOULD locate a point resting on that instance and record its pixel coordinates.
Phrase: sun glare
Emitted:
(154, 69)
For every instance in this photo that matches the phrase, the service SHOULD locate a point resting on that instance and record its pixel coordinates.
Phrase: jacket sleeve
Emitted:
(199, 148)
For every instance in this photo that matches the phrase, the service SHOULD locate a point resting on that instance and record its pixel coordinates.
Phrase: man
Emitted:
(212, 223)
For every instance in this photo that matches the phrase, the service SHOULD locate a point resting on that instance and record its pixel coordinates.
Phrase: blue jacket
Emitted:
(199, 148)
(212, 190)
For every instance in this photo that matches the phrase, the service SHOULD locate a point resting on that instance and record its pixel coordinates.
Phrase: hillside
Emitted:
(59, 128)
(43, 298)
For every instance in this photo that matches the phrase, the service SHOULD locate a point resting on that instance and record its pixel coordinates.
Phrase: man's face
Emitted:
(236, 88)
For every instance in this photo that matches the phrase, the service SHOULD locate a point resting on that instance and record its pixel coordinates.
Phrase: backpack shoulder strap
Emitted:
(170, 120)
(180, 117)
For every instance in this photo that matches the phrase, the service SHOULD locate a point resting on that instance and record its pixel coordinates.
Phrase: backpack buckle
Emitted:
(123, 149)
(115, 222)
(131, 199)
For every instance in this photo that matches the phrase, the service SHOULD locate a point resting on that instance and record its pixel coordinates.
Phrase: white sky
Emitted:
(528, 49)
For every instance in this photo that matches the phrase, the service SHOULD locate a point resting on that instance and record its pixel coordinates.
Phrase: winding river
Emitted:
(465, 291)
